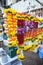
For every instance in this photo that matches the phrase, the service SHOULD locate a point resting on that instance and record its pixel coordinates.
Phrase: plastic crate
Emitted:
(12, 51)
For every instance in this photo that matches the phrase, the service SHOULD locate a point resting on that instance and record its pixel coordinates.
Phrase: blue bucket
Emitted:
(40, 53)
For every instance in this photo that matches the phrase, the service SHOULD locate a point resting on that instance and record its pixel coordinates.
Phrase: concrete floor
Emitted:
(32, 59)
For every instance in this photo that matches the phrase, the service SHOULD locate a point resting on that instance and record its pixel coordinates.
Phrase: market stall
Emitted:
(20, 29)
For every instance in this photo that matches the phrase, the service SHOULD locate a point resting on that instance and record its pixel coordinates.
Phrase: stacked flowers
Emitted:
(10, 25)
(20, 31)
(26, 26)
(32, 34)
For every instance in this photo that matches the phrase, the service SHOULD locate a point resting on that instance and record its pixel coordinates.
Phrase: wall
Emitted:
(38, 12)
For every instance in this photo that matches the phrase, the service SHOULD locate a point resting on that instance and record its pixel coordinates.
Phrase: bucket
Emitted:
(40, 53)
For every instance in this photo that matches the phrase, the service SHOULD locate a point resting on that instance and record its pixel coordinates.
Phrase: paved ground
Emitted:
(32, 59)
